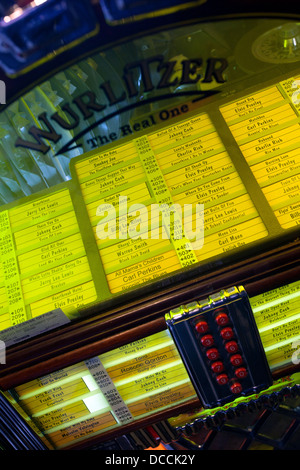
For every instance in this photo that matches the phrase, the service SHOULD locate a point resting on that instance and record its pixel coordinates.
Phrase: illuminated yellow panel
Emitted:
(289, 216)
(40, 209)
(81, 430)
(183, 163)
(166, 167)
(143, 363)
(190, 175)
(130, 250)
(76, 296)
(277, 315)
(72, 404)
(90, 166)
(114, 179)
(55, 396)
(190, 151)
(162, 399)
(179, 132)
(66, 275)
(46, 232)
(266, 126)
(276, 142)
(263, 122)
(283, 192)
(275, 168)
(62, 415)
(139, 273)
(148, 374)
(53, 254)
(232, 238)
(134, 195)
(42, 256)
(147, 384)
(141, 348)
(252, 103)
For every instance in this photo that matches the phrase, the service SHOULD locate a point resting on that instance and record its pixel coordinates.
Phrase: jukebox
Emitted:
(149, 225)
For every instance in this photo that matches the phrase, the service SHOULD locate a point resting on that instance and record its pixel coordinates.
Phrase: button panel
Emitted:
(219, 334)
(227, 342)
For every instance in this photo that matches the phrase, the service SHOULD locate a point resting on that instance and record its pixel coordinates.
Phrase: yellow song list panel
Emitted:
(137, 348)
(143, 271)
(157, 380)
(255, 103)
(64, 401)
(144, 363)
(149, 367)
(162, 399)
(62, 415)
(112, 192)
(183, 164)
(79, 401)
(55, 396)
(267, 128)
(129, 251)
(13, 309)
(183, 131)
(81, 430)
(140, 356)
(107, 160)
(231, 220)
(46, 382)
(277, 315)
(199, 170)
(47, 259)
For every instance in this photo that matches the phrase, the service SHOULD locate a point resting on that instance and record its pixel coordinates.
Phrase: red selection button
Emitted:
(231, 347)
(236, 360)
(222, 319)
(202, 327)
(222, 379)
(207, 341)
(217, 367)
(236, 388)
(227, 333)
(241, 373)
(212, 354)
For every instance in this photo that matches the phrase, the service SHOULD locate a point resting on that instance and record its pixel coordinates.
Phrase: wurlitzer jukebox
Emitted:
(150, 211)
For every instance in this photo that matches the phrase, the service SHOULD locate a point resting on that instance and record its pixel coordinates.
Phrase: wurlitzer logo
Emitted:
(157, 76)
(2, 92)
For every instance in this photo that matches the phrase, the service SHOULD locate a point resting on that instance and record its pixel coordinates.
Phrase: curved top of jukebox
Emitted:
(144, 150)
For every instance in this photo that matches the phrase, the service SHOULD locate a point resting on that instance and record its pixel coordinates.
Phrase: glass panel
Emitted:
(202, 117)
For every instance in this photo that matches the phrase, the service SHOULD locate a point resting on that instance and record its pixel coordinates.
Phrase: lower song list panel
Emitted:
(43, 259)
